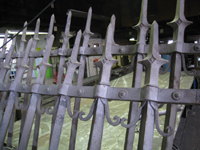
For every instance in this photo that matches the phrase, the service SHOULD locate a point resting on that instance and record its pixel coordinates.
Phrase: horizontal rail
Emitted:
(188, 48)
(174, 96)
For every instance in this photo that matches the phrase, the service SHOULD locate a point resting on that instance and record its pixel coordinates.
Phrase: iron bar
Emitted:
(141, 28)
(152, 63)
(178, 24)
(38, 114)
(36, 97)
(105, 65)
(145, 56)
(87, 33)
(29, 77)
(65, 46)
(13, 95)
(71, 65)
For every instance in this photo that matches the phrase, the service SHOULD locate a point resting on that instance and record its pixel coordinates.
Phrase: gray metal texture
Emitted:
(144, 100)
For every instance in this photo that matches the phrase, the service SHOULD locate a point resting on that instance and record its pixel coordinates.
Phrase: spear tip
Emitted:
(6, 35)
(6, 32)
(155, 24)
(79, 32)
(112, 21)
(53, 17)
(109, 33)
(113, 17)
(38, 20)
(69, 13)
(154, 30)
(25, 23)
(90, 10)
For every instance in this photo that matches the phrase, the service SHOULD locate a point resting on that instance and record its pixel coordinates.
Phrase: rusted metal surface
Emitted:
(147, 96)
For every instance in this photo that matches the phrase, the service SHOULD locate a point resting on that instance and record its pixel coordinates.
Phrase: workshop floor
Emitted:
(113, 137)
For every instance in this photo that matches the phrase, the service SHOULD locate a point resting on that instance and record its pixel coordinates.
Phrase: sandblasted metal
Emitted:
(36, 98)
(86, 36)
(144, 101)
(65, 101)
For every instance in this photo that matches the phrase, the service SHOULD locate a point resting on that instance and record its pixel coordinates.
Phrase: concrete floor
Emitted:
(113, 137)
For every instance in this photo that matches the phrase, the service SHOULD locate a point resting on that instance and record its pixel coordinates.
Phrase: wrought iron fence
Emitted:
(143, 100)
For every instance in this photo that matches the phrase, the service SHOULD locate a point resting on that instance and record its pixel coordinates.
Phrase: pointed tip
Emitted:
(154, 35)
(88, 22)
(109, 30)
(6, 33)
(31, 39)
(108, 42)
(78, 36)
(154, 28)
(90, 9)
(69, 13)
(110, 25)
(25, 23)
(53, 17)
(38, 20)
(79, 32)
(90, 13)
(113, 16)
(5, 37)
(155, 24)
(112, 19)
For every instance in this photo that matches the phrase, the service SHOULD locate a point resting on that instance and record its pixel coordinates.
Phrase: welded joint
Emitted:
(140, 48)
(101, 91)
(177, 47)
(149, 93)
(63, 90)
